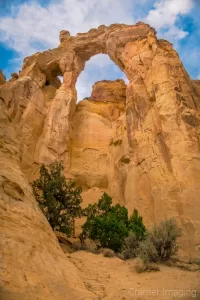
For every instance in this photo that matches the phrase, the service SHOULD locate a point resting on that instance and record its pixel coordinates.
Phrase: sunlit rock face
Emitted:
(98, 124)
(138, 142)
(32, 262)
(109, 91)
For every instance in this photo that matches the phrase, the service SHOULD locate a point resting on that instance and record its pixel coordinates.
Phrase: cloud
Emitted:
(33, 27)
(165, 14)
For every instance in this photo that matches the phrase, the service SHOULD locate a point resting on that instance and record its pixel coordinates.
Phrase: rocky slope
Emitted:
(139, 142)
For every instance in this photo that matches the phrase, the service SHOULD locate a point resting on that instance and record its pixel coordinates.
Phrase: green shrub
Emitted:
(161, 242)
(106, 224)
(137, 233)
(109, 225)
(58, 198)
(136, 225)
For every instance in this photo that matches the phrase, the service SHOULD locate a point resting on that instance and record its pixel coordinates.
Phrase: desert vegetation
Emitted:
(108, 225)
(59, 198)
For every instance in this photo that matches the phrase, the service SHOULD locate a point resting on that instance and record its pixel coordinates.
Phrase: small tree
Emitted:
(109, 225)
(58, 198)
(106, 224)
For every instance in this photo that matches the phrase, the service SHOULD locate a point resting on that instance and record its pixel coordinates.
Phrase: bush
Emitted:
(130, 247)
(147, 251)
(58, 198)
(136, 225)
(109, 225)
(137, 233)
(146, 267)
(106, 224)
(161, 243)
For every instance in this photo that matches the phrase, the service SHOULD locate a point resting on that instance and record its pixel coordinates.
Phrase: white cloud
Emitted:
(165, 14)
(32, 27)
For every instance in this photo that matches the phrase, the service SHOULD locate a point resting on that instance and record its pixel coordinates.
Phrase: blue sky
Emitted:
(28, 26)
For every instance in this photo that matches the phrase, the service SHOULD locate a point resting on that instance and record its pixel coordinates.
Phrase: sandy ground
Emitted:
(112, 278)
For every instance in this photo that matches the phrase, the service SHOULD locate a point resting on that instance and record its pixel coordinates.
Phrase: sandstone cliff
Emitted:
(2, 78)
(139, 142)
(32, 263)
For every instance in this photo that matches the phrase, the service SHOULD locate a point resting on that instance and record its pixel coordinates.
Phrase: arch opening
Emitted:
(98, 68)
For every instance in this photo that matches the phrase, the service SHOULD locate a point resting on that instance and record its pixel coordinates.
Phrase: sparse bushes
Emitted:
(107, 225)
(58, 198)
(160, 243)
(155, 246)
(147, 251)
(146, 267)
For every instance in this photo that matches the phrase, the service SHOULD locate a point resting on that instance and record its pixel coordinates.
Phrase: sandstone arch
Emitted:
(156, 159)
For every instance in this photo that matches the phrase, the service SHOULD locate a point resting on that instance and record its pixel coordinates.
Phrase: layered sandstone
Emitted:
(143, 149)
(109, 91)
(96, 126)
(32, 263)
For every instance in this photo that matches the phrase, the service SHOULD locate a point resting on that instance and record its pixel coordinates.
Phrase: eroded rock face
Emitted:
(2, 78)
(144, 150)
(109, 91)
(32, 263)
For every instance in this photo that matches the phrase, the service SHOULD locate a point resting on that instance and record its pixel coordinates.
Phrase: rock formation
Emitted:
(2, 78)
(141, 147)
(32, 263)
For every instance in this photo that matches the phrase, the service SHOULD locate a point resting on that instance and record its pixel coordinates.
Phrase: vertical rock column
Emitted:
(54, 142)
(163, 130)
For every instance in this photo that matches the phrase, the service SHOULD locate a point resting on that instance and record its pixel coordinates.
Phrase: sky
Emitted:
(29, 26)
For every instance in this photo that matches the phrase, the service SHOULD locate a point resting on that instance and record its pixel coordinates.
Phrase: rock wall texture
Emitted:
(32, 263)
(139, 142)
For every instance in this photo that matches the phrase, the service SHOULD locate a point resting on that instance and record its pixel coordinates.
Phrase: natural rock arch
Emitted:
(159, 109)
(69, 60)
(160, 170)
